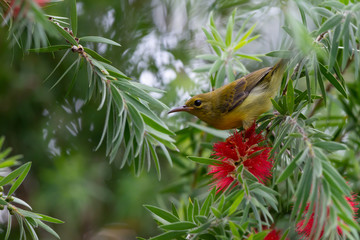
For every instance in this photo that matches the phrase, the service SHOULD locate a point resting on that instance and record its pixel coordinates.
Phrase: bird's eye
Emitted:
(197, 103)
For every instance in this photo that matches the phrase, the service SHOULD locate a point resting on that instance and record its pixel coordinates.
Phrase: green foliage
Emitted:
(225, 60)
(15, 207)
(303, 145)
(314, 129)
(129, 106)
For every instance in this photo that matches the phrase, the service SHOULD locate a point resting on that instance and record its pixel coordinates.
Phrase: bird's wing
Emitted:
(254, 78)
(244, 86)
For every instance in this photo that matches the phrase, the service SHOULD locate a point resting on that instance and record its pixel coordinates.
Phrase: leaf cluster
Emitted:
(15, 207)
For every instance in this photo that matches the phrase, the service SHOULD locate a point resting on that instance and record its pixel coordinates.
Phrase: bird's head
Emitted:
(199, 105)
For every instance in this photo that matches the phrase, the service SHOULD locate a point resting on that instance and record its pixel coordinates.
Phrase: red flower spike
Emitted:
(273, 235)
(241, 148)
(305, 231)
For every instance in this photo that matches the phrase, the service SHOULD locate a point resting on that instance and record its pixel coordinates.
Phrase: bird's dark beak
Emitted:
(181, 109)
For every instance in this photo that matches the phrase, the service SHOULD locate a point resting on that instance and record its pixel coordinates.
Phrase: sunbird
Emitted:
(239, 103)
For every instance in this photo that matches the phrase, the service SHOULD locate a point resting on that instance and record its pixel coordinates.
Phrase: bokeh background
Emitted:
(58, 131)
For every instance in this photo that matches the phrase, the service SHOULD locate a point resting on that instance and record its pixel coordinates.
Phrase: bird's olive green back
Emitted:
(244, 85)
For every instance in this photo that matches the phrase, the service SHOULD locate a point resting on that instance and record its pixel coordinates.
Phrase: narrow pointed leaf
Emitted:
(332, 80)
(53, 48)
(73, 18)
(99, 40)
(202, 160)
(167, 216)
(179, 226)
(20, 179)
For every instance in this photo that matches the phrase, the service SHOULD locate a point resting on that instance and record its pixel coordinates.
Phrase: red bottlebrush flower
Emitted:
(241, 148)
(305, 231)
(273, 235)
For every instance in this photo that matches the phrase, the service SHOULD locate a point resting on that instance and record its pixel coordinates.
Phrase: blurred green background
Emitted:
(68, 179)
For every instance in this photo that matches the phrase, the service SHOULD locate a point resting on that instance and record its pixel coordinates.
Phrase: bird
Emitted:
(239, 103)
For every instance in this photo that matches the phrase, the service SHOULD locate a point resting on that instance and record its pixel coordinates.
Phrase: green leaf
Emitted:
(277, 106)
(136, 117)
(14, 174)
(21, 202)
(216, 212)
(220, 77)
(99, 40)
(48, 229)
(166, 153)
(255, 58)
(200, 219)
(20, 178)
(280, 54)
(208, 57)
(217, 133)
(229, 28)
(209, 37)
(303, 191)
(319, 80)
(330, 23)
(332, 80)
(290, 168)
(201, 228)
(64, 74)
(137, 92)
(49, 219)
(167, 216)
(216, 65)
(234, 230)
(323, 12)
(3, 202)
(8, 230)
(236, 203)
(179, 226)
(189, 213)
(230, 73)
(203, 160)
(284, 236)
(117, 73)
(349, 220)
(308, 85)
(5, 153)
(107, 116)
(290, 96)
(169, 235)
(141, 107)
(73, 18)
(156, 125)
(56, 67)
(156, 160)
(204, 211)
(330, 146)
(100, 66)
(244, 42)
(96, 56)
(334, 46)
(65, 34)
(31, 230)
(53, 48)
(247, 34)
(218, 39)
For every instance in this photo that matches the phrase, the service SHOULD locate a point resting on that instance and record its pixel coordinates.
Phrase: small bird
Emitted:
(239, 103)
